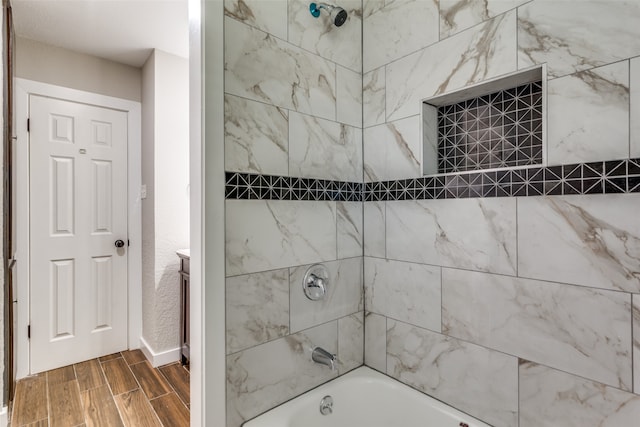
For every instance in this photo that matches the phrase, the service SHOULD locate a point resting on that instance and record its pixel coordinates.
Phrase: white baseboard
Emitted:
(161, 358)
(4, 416)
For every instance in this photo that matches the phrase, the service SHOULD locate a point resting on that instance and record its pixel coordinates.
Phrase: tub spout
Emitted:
(322, 356)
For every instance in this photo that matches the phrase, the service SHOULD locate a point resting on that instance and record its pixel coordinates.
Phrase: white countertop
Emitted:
(184, 253)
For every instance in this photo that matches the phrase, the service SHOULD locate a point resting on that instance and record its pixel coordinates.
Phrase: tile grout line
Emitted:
(110, 389)
(46, 388)
(173, 388)
(141, 391)
(84, 412)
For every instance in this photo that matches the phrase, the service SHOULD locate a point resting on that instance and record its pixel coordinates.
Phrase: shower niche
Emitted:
(496, 124)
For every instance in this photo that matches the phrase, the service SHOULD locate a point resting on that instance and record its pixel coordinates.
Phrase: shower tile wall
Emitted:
(538, 291)
(293, 107)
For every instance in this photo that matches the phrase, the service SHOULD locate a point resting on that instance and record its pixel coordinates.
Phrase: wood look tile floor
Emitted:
(119, 390)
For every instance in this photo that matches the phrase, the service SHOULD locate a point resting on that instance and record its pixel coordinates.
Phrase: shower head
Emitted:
(338, 15)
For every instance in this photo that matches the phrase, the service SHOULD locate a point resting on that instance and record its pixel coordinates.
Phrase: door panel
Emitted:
(78, 209)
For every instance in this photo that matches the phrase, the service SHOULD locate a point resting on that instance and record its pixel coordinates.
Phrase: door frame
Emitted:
(23, 89)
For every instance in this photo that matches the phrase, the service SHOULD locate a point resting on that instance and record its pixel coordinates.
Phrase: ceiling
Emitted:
(122, 31)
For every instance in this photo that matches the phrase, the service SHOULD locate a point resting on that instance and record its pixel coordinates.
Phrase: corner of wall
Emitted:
(159, 358)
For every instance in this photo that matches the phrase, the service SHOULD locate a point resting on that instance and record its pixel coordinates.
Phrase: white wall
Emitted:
(54, 65)
(2, 125)
(148, 205)
(166, 208)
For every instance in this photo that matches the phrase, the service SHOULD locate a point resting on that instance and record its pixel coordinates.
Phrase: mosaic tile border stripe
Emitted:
(609, 177)
(271, 187)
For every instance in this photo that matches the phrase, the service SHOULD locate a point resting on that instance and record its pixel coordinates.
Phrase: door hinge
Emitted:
(28, 331)
(28, 125)
(128, 242)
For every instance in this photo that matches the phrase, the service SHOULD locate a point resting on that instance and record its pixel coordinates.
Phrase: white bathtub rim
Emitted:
(365, 371)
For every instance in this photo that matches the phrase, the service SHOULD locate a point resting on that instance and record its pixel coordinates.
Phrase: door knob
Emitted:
(119, 243)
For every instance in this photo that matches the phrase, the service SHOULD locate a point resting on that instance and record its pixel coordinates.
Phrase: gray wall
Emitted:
(57, 66)
(514, 310)
(292, 108)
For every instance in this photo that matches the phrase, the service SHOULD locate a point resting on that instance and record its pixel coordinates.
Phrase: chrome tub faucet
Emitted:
(323, 357)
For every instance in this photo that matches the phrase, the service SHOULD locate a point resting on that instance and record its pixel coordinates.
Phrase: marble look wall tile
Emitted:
(341, 45)
(265, 376)
(369, 7)
(429, 139)
(261, 67)
(344, 296)
(403, 291)
(457, 15)
(393, 150)
(256, 137)
(583, 240)
(350, 342)
(588, 115)
(475, 234)
(634, 116)
(375, 341)
(553, 33)
(324, 149)
(257, 308)
(349, 224)
(268, 16)
(550, 398)
(636, 343)
(480, 53)
(374, 229)
(476, 380)
(584, 331)
(398, 28)
(265, 235)
(349, 97)
(373, 96)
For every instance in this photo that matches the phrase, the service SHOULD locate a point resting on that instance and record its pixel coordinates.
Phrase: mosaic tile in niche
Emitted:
(502, 129)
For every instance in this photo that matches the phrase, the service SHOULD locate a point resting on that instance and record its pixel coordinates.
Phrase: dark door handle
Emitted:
(119, 243)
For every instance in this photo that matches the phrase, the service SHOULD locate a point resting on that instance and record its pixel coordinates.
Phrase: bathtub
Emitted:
(364, 397)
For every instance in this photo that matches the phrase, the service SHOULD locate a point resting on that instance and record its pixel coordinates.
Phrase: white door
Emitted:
(78, 210)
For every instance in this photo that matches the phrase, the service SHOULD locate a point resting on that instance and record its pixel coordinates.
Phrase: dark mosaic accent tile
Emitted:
(243, 193)
(553, 188)
(231, 178)
(572, 171)
(615, 168)
(503, 190)
(503, 177)
(463, 192)
(610, 177)
(633, 167)
(615, 185)
(231, 192)
(592, 186)
(451, 193)
(518, 176)
(518, 190)
(489, 178)
(439, 193)
(535, 189)
(489, 191)
(535, 175)
(572, 187)
(475, 191)
(497, 130)
(593, 170)
(553, 173)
